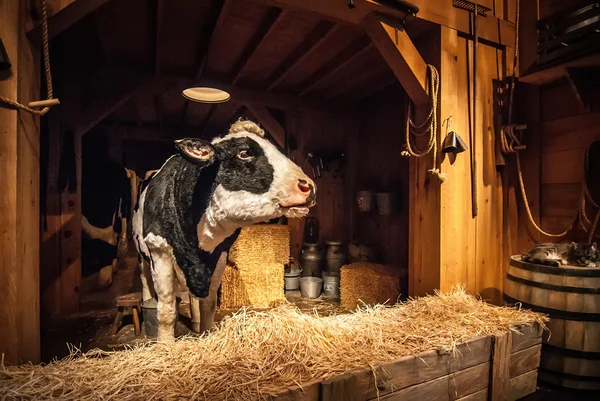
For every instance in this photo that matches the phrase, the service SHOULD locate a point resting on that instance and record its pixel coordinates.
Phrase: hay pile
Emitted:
(368, 283)
(252, 354)
(254, 274)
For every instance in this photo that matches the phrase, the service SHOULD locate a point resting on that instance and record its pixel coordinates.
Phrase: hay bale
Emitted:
(254, 274)
(368, 283)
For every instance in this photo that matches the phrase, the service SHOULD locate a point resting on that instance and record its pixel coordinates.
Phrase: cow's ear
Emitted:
(196, 150)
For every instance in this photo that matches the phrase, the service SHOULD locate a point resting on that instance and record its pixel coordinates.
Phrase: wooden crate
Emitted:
(486, 368)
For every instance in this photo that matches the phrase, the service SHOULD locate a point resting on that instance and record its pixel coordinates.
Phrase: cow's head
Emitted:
(255, 181)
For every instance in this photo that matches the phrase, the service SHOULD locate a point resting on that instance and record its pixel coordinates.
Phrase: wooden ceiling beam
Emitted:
(236, 116)
(120, 89)
(402, 57)
(352, 52)
(491, 28)
(312, 42)
(268, 122)
(267, 27)
(271, 99)
(207, 119)
(210, 34)
(158, 22)
(159, 107)
(61, 15)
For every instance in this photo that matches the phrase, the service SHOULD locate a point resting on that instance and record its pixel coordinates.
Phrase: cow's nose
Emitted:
(304, 186)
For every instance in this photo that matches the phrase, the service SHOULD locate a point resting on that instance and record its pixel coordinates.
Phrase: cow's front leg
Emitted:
(163, 278)
(148, 291)
(195, 313)
(208, 305)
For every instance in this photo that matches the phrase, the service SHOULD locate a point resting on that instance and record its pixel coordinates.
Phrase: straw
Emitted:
(253, 354)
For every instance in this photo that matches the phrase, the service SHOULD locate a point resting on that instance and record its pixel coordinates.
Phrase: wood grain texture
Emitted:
(402, 57)
(28, 197)
(501, 358)
(522, 385)
(9, 264)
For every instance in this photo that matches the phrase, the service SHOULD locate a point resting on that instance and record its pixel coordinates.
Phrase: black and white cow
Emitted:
(192, 209)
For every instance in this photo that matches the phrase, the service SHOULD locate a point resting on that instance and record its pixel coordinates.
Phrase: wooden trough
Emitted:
(493, 368)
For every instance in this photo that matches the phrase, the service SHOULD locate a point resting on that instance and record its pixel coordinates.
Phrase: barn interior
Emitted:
(443, 142)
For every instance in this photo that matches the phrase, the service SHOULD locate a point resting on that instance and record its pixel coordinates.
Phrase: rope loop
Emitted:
(428, 126)
(48, 74)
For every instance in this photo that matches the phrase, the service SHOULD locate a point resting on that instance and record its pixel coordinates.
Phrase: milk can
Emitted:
(311, 259)
(336, 256)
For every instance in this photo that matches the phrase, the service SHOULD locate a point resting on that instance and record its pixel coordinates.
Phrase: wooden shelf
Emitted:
(555, 73)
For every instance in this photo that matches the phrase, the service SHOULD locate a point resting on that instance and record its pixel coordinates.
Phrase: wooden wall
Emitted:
(382, 168)
(316, 131)
(19, 198)
(565, 131)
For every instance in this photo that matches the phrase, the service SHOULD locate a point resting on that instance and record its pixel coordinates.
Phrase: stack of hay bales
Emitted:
(255, 268)
(368, 283)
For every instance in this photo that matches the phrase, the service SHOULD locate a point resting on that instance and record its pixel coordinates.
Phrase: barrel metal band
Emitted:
(570, 376)
(571, 353)
(554, 287)
(555, 313)
(554, 270)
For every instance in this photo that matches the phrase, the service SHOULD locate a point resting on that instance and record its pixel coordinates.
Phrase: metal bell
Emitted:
(453, 143)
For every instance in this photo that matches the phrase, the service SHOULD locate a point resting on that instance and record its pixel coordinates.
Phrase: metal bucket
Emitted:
(150, 316)
(310, 287)
(331, 284)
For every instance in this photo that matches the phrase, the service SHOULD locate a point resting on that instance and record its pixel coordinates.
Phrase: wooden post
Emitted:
(500, 372)
(19, 200)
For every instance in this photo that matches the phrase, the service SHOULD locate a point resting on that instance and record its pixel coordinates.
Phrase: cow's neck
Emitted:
(213, 231)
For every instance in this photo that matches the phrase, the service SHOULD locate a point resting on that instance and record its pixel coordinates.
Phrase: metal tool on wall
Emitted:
(326, 162)
(476, 10)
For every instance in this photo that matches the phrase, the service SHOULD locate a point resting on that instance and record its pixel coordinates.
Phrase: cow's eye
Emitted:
(244, 155)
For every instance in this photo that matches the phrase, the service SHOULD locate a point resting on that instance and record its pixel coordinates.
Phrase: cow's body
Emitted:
(106, 206)
(192, 209)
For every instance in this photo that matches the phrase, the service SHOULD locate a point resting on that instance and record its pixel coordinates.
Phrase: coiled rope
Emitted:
(16, 105)
(510, 140)
(429, 125)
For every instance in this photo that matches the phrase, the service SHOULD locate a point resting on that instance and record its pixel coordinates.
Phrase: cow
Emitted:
(192, 210)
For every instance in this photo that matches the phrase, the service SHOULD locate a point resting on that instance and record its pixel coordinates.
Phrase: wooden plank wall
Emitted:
(469, 251)
(19, 201)
(566, 132)
(382, 168)
(317, 131)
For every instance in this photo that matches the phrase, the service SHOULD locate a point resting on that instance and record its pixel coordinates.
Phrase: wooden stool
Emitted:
(131, 304)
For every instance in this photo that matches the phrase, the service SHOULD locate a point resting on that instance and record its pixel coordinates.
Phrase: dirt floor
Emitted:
(91, 328)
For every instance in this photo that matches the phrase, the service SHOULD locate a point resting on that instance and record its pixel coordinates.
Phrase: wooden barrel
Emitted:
(571, 296)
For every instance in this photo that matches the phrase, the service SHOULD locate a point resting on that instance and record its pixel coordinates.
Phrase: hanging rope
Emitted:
(429, 125)
(16, 105)
(510, 139)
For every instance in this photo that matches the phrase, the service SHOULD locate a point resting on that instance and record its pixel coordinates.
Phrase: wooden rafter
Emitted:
(382, 83)
(159, 107)
(207, 119)
(158, 22)
(350, 83)
(402, 57)
(491, 28)
(268, 122)
(236, 116)
(184, 113)
(61, 15)
(352, 52)
(267, 27)
(120, 88)
(316, 38)
(205, 47)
